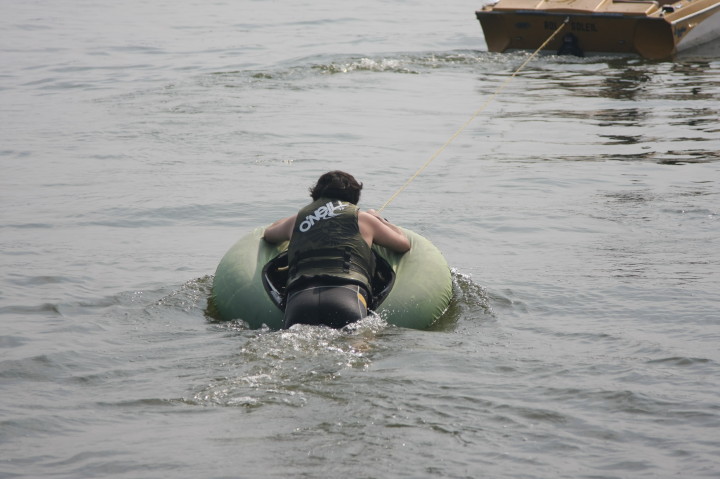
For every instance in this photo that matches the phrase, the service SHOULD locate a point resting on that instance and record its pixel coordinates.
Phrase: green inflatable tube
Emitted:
(419, 295)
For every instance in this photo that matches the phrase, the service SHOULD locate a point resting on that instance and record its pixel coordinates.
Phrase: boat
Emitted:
(410, 290)
(653, 29)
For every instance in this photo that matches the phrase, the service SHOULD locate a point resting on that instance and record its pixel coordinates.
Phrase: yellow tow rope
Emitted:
(474, 115)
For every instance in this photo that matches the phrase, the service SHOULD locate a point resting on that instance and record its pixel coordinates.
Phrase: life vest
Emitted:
(326, 243)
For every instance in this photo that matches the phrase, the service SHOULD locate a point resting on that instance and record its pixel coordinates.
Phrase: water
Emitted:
(579, 211)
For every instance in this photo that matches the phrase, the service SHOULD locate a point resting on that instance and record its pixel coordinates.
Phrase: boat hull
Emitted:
(644, 28)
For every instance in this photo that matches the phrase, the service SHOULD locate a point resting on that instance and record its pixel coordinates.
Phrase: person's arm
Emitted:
(376, 229)
(280, 231)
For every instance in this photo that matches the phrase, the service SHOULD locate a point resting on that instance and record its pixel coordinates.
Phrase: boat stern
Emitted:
(643, 27)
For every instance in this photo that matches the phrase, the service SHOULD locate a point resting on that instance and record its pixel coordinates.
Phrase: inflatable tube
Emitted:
(419, 294)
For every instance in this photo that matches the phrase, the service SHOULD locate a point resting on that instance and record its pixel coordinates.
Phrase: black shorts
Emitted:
(330, 305)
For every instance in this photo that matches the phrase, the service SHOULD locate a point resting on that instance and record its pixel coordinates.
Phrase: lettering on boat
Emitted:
(574, 26)
(583, 27)
(679, 32)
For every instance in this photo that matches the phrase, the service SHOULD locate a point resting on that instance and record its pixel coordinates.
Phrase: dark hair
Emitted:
(337, 185)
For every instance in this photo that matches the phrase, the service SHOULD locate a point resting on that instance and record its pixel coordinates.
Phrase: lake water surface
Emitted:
(579, 212)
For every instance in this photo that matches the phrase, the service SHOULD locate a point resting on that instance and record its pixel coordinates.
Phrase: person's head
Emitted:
(337, 185)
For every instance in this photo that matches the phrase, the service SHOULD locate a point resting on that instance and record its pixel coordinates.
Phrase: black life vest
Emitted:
(326, 243)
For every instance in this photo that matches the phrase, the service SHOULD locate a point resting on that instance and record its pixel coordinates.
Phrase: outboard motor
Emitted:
(570, 46)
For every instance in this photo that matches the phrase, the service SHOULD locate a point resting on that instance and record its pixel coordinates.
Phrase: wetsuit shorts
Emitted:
(322, 304)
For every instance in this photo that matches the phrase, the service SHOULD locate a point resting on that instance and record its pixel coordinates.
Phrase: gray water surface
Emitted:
(579, 212)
